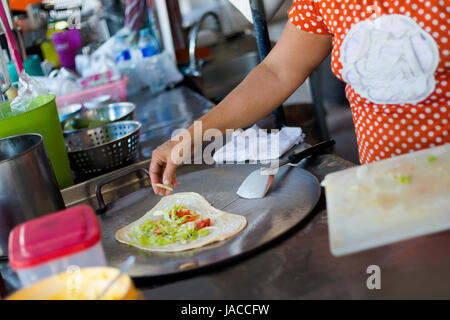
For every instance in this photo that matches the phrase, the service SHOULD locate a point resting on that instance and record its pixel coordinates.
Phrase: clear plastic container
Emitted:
(59, 242)
(128, 67)
(90, 257)
(152, 74)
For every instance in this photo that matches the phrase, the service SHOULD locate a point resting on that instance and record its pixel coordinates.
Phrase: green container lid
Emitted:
(42, 119)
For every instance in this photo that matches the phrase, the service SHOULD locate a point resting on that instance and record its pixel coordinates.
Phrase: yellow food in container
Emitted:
(81, 284)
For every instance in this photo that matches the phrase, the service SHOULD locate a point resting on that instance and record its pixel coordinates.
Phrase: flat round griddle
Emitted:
(292, 196)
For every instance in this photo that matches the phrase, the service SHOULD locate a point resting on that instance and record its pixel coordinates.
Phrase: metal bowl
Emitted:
(104, 148)
(98, 102)
(69, 111)
(113, 112)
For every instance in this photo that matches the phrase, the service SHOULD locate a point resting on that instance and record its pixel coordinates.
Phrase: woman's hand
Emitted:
(162, 167)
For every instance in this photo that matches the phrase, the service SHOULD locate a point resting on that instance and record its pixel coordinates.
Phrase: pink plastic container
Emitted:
(117, 90)
(68, 239)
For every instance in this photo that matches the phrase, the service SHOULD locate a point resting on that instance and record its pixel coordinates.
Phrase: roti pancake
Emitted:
(223, 225)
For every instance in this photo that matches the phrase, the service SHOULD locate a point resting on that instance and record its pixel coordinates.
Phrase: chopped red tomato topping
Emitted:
(190, 218)
(203, 223)
(184, 212)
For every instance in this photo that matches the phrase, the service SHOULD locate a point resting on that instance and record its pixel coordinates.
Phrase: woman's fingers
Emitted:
(162, 169)
(156, 170)
(169, 178)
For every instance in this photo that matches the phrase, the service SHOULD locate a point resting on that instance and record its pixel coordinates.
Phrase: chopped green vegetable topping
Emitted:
(159, 185)
(203, 232)
(177, 225)
(431, 159)
(405, 179)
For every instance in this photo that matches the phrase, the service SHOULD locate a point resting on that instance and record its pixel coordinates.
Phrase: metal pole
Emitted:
(164, 24)
(319, 109)
(264, 46)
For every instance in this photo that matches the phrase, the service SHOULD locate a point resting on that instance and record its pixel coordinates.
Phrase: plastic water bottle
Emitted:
(128, 68)
(147, 44)
(120, 46)
(152, 74)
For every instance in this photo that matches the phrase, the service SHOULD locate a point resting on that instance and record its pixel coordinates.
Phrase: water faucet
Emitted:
(192, 70)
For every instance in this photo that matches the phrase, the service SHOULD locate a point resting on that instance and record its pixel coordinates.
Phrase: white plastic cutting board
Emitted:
(388, 201)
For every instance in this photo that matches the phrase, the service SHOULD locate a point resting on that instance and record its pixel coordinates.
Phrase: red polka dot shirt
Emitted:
(394, 57)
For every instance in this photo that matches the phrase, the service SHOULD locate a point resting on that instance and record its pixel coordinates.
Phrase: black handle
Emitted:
(297, 157)
(114, 177)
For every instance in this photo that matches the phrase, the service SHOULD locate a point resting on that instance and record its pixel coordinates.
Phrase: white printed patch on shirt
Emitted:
(390, 60)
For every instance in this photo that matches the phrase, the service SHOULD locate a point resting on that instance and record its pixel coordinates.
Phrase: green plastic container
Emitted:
(32, 67)
(42, 119)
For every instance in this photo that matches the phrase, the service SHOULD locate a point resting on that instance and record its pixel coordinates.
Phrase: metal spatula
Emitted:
(259, 181)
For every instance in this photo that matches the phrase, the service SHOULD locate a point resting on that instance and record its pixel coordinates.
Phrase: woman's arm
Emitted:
(289, 63)
(287, 66)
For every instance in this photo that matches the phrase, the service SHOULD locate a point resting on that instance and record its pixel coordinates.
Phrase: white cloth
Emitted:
(390, 60)
(255, 144)
(270, 6)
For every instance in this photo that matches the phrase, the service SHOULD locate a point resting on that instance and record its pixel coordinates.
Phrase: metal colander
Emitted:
(103, 148)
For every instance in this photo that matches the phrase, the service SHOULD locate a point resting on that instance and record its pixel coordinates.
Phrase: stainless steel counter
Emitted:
(297, 266)
(300, 264)
(160, 115)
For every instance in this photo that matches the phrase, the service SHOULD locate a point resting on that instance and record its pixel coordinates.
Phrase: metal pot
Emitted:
(28, 186)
